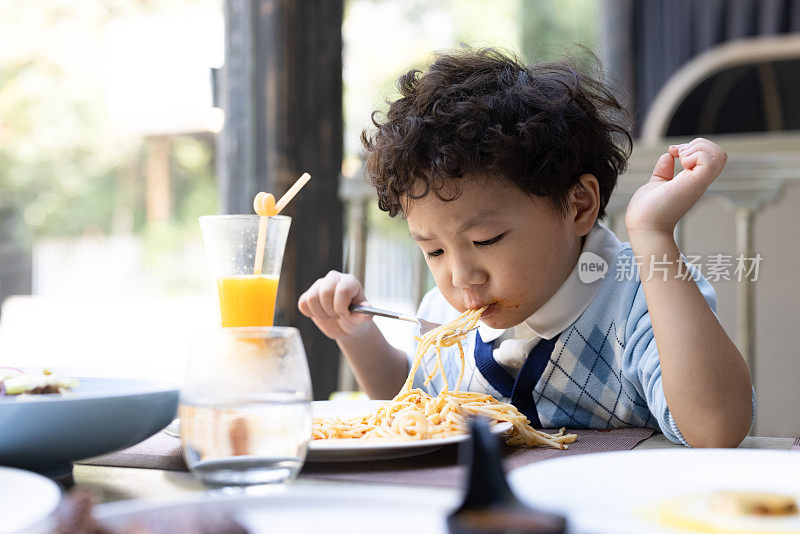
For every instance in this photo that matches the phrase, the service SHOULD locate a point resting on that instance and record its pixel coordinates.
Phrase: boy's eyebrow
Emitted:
(476, 220)
(417, 237)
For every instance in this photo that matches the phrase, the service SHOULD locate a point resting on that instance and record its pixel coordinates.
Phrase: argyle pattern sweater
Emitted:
(602, 371)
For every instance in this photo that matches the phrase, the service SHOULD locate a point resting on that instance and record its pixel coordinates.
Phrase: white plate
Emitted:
(357, 450)
(26, 499)
(312, 509)
(621, 492)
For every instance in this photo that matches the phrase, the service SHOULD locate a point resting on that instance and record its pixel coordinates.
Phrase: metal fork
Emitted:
(424, 326)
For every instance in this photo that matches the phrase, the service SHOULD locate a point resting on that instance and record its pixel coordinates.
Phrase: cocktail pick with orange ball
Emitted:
(265, 206)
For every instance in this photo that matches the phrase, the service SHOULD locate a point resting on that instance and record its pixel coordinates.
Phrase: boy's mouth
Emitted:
(491, 308)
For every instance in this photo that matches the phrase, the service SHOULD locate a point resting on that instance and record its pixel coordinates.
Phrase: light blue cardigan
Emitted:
(603, 371)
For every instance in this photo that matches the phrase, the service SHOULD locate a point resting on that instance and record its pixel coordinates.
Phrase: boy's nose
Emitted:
(467, 276)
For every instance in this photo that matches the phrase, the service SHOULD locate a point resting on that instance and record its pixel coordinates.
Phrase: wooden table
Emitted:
(120, 483)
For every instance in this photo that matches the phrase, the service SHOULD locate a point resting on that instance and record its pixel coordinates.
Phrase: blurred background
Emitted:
(122, 121)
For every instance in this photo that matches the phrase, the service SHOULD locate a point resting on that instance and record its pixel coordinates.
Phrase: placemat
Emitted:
(438, 469)
(159, 451)
(441, 469)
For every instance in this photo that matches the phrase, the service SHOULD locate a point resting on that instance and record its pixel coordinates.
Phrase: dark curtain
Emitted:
(648, 40)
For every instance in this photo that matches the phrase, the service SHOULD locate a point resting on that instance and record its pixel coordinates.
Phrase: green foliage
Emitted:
(64, 168)
(57, 164)
(193, 179)
(554, 29)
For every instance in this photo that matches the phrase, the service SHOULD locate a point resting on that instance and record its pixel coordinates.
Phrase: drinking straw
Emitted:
(286, 198)
(262, 225)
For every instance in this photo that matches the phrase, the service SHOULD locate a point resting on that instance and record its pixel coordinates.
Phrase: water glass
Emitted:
(245, 406)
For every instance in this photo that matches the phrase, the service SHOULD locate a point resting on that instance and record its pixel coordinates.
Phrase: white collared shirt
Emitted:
(512, 346)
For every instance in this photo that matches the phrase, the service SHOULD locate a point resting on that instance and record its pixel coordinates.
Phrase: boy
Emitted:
(502, 172)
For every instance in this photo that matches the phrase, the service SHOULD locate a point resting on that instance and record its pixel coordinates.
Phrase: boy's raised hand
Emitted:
(327, 301)
(658, 205)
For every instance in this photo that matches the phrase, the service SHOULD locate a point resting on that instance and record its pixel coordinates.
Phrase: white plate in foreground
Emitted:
(26, 499)
(351, 450)
(624, 492)
(309, 509)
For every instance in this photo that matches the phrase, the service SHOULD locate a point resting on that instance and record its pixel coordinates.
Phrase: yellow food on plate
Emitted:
(753, 503)
(732, 512)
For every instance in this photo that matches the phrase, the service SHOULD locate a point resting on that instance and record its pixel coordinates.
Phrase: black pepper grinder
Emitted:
(489, 506)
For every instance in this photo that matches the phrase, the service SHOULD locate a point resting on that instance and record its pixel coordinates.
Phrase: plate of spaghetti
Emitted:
(415, 422)
(376, 448)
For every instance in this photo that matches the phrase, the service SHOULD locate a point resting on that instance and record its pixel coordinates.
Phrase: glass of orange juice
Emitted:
(247, 291)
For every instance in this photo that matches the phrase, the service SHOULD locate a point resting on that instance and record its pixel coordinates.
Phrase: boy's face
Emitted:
(494, 245)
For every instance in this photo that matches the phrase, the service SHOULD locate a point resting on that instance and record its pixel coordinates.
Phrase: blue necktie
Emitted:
(520, 390)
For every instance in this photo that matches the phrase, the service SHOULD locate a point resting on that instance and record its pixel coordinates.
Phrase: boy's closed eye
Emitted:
(491, 241)
(486, 243)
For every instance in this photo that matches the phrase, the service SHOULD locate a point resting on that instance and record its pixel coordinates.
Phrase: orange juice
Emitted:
(247, 300)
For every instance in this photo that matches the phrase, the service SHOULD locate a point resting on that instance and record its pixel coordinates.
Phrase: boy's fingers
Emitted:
(705, 145)
(710, 155)
(664, 169)
(317, 311)
(697, 141)
(346, 292)
(315, 307)
(690, 162)
(327, 289)
(690, 148)
(674, 150)
(701, 167)
(688, 151)
(302, 305)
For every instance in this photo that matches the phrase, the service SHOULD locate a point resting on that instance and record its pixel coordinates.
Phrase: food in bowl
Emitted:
(15, 382)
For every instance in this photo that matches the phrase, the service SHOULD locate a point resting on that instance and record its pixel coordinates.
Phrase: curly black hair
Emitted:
(483, 113)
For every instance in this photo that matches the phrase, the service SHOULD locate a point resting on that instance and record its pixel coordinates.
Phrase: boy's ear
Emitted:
(585, 203)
